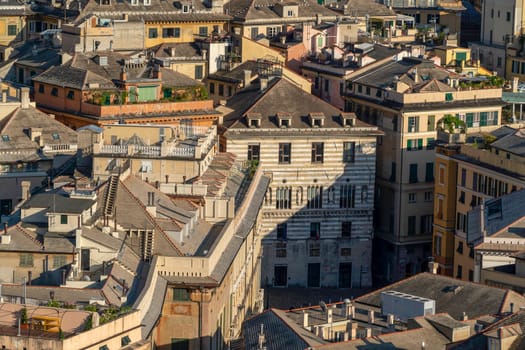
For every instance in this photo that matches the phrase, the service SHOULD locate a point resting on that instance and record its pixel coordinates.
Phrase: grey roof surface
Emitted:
(282, 96)
(42, 60)
(265, 10)
(513, 143)
(473, 299)
(187, 51)
(57, 203)
(427, 71)
(98, 236)
(410, 339)
(158, 10)
(362, 8)
(155, 307)
(68, 295)
(236, 75)
(83, 70)
(479, 341)
(278, 334)
(16, 126)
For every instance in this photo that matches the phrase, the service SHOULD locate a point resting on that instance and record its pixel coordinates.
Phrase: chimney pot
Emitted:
(305, 319)
(24, 98)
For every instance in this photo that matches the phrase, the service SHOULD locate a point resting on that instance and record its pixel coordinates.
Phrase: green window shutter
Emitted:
(449, 96)
(419, 144)
(461, 56)
(409, 145)
(495, 120)
(470, 119)
(483, 119)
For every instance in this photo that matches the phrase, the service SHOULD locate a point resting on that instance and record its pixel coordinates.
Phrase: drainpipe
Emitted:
(201, 289)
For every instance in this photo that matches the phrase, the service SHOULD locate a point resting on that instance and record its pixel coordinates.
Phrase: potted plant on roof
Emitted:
(24, 321)
(451, 129)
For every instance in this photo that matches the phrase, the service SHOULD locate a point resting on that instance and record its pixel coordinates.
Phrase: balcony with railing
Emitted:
(194, 142)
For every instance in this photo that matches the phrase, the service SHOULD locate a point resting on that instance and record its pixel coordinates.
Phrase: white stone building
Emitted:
(317, 215)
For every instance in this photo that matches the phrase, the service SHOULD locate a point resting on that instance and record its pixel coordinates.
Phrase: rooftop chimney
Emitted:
(24, 98)
(515, 81)
(371, 316)
(172, 51)
(264, 83)
(329, 315)
(247, 78)
(305, 318)
(433, 267)
(4, 96)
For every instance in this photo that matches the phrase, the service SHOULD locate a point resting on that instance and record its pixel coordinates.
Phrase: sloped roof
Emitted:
(451, 295)
(264, 10)
(158, 10)
(16, 127)
(513, 143)
(57, 203)
(283, 96)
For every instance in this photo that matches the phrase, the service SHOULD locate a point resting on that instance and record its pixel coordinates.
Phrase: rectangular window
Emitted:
(198, 72)
(63, 219)
(429, 172)
(283, 197)
(413, 173)
(315, 197)
(315, 230)
(347, 196)
(393, 171)
(449, 96)
(12, 29)
(471, 275)
(54, 92)
(367, 91)
(153, 33)
(314, 248)
(346, 251)
(463, 177)
(460, 272)
(441, 174)
(26, 260)
(431, 143)
(280, 249)
(254, 152)
(180, 344)
(462, 197)
(280, 275)
(272, 31)
(282, 230)
(317, 152)
(426, 224)
(59, 261)
(41, 88)
(180, 294)
(412, 197)
(346, 229)
(285, 150)
(411, 225)
(221, 89)
(203, 31)
(125, 340)
(413, 124)
(437, 245)
(349, 152)
(460, 248)
(171, 32)
(508, 16)
(71, 95)
(431, 123)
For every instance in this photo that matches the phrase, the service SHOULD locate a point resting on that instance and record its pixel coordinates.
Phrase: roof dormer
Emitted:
(348, 119)
(284, 119)
(253, 120)
(316, 119)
